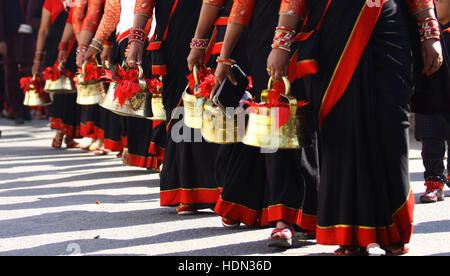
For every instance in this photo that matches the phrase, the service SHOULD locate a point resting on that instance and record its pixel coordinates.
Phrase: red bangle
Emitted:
(199, 43)
(226, 61)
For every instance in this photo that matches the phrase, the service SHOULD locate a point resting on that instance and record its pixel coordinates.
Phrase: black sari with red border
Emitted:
(365, 84)
(64, 112)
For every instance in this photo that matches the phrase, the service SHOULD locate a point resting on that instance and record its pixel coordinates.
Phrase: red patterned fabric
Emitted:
(110, 19)
(78, 15)
(293, 7)
(145, 7)
(55, 7)
(242, 11)
(93, 15)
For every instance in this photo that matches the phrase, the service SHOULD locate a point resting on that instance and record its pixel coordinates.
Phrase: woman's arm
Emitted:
(90, 23)
(443, 11)
(208, 15)
(240, 16)
(142, 13)
(430, 35)
(41, 40)
(108, 23)
(78, 15)
(291, 11)
(65, 41)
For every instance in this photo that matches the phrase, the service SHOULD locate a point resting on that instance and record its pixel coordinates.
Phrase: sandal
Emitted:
(71, 144)
(229, 223)
(57, 141)
(351, 251)
(281, 237)
(125, 158)
(395, 250)
(103, 151)
(184, 209)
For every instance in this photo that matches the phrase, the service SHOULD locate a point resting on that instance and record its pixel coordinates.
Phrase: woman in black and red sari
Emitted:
(65, 113)
(360, 93)
(187, 178)
(118, 17)
(260, 189)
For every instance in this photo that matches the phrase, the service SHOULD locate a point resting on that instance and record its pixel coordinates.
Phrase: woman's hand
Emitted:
(222, 72)
(134, 55)
(106, 56)
(432, 56)
(196, 57)
(35, 68)
(90, 54)
(278, 63)
(62, 56)
(80, 58)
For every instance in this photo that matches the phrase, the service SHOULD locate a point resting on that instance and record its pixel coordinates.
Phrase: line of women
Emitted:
(350, 60)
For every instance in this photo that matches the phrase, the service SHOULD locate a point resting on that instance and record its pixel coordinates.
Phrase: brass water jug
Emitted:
(159, 112)
(262, 129)
(192, 105)
(89, 92)
(33, 99)
(63, 85)
(219, 127)
(139, 105)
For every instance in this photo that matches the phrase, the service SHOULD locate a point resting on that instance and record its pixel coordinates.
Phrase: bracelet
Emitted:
(199, 43)
(283, 38)
(82, 48)
(226, 61)
(96, 44)
(137, 35)
(429, 29)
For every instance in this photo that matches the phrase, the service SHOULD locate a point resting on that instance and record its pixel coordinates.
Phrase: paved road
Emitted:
(64, 202)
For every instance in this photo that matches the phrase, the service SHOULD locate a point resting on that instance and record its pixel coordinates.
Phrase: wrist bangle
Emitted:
(429, 29)
(96, 44)
(199, 43)
(226, 61)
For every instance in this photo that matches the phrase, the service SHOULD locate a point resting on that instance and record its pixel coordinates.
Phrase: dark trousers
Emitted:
(433, 152)
(20, 54)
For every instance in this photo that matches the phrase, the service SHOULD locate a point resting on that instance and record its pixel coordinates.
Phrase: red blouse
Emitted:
(294, 7)
(55, 7)
(144, 7)
(78, 15)
(242, 11)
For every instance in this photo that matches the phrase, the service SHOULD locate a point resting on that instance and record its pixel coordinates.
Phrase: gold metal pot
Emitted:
(159, 113)
(192, 105)
(137, 106)
(220, 128)
(262, 130)
(89, 92)
(63, 85)
(32, 97)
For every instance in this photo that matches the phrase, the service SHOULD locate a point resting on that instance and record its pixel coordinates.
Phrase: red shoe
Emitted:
(281, 237)
(229, 223)
(184, 209)
(434, 191)
(396, 250)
